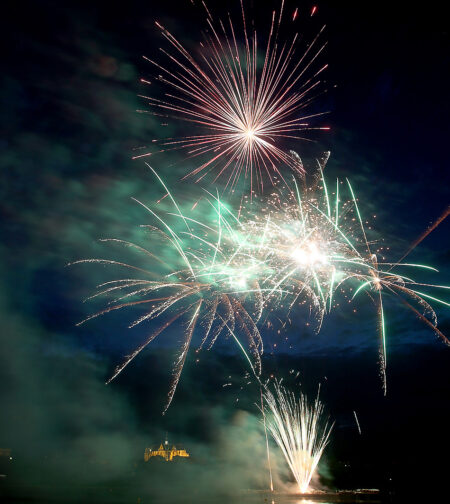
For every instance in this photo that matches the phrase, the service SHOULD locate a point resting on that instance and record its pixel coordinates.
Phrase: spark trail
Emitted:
(357, 422)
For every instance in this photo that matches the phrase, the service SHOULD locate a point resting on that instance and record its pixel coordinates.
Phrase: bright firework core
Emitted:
(308, 255)
(238, 282)
(250, 134)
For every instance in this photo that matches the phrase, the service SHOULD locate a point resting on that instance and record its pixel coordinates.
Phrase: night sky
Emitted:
(70, 84)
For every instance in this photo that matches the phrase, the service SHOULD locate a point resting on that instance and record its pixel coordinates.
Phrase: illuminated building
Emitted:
(165, 452)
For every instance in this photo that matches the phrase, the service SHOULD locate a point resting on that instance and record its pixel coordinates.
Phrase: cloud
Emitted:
(68, 430)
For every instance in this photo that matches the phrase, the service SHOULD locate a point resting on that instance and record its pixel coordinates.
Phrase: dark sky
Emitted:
(70, 85)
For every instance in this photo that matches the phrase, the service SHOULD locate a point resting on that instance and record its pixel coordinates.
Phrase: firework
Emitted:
(357, 422)
(304, 240)
(212, 284)
(316, 252)
(299, 429)
(242, 111)
(305, 244)
(381, 278)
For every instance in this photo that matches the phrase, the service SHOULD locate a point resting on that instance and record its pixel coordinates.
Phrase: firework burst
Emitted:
(215, 290)
(304, 245)
(304, 242)
(243, 111)
(314, 244)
